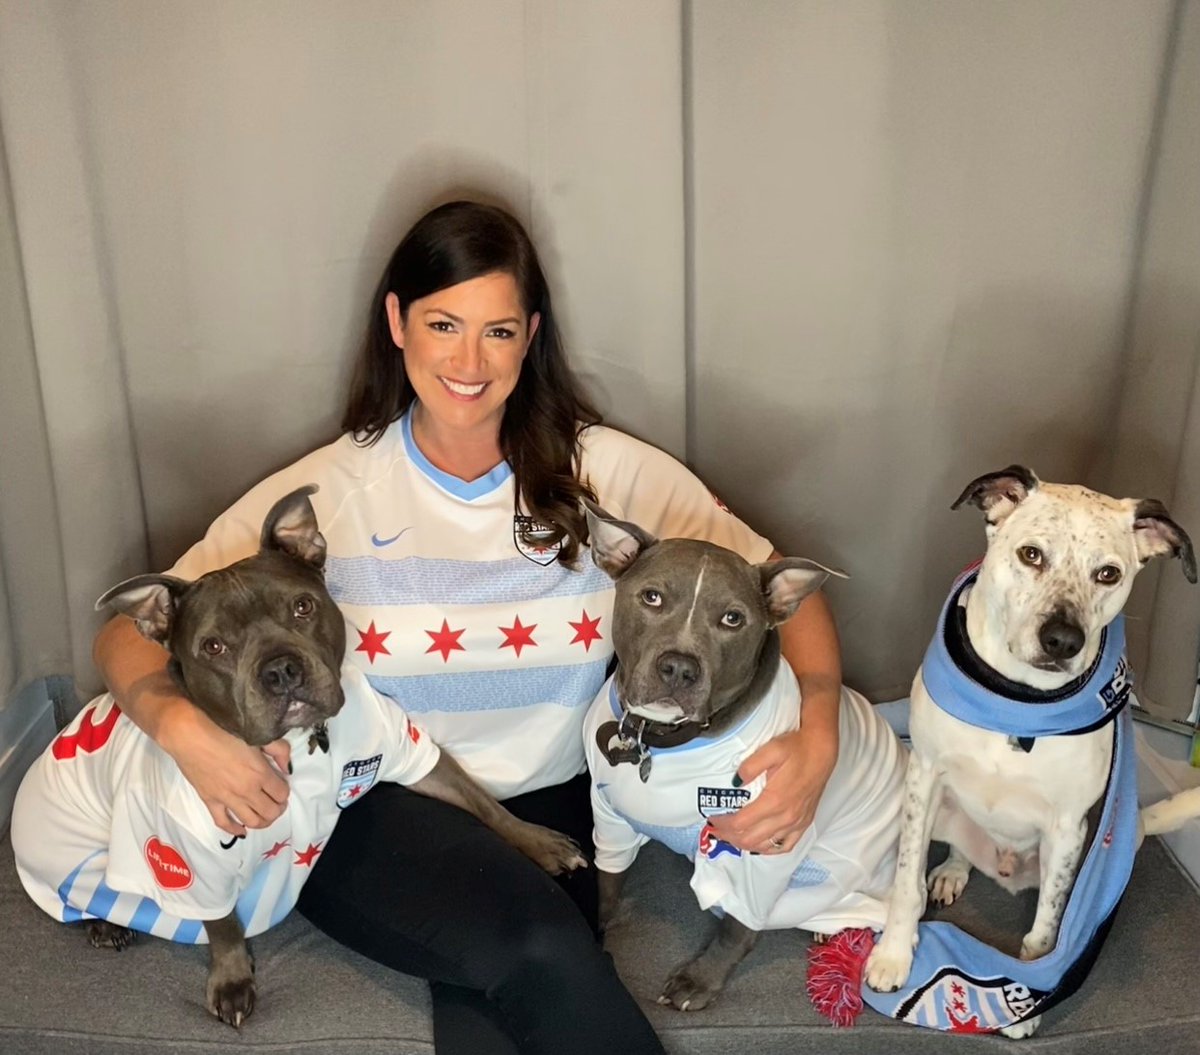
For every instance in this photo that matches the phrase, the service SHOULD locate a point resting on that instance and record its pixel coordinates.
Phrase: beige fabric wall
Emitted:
(842, 255)
(1155, 447)
(916, 227)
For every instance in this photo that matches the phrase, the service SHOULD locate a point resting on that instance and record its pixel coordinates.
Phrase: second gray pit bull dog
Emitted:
(106, 829)
(701, 684)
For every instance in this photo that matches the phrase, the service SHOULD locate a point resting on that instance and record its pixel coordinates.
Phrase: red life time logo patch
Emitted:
(171, 871)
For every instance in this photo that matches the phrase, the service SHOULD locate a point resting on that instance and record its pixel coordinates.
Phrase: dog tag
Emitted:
(644, 766)
(319, 738)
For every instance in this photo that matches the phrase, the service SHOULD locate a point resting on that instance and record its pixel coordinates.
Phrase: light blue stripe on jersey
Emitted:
(372, 581)
(477, 488)
(808, 873)
(188, 931)
(495, 690)
(679, 840)
(145, 916)
(70, 914)
(102, 901)
(247, 903)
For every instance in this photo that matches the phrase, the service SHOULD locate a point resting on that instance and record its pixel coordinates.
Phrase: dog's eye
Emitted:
(732, 618)
(213, 646)
(652, 597)
(303, 607)
(1030, 555)
(1109, 575)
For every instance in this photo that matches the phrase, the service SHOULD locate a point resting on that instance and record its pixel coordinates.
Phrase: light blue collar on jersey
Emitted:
(1087, 703)
(958, 983)
(468, 490)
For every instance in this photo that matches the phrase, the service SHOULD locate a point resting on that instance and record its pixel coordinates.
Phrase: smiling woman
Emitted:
(452, 508)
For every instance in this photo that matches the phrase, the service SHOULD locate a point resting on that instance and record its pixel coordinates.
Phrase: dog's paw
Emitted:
(1022, 1029)
(889, 965)
(948, 880)
(104, 935)
(231, 1000)
(687, 989)
(1034, 945)
(551, 851)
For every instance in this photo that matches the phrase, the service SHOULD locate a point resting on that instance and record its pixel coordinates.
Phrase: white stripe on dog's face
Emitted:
(1058, 569)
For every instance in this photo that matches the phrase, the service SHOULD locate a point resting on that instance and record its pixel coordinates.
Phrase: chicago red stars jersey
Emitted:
(837, 876)
(106, 827)
(492, 643)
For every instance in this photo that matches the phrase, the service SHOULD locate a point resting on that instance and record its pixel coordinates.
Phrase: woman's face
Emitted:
(463, 348)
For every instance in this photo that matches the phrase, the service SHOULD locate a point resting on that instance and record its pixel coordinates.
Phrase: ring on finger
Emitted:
(775, 842)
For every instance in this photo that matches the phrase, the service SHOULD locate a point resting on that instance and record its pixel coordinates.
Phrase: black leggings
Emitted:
(510, 953)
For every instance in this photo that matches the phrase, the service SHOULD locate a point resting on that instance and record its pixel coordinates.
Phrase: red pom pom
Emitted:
(835, 970)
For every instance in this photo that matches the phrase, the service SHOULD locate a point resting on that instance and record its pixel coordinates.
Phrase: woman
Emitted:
(451, 510)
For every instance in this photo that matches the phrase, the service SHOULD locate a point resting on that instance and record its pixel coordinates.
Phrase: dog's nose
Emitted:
(282, 674)
(676, 670)
(1060, 638)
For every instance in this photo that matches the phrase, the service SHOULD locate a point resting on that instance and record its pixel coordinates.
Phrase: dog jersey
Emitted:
(455, 609)
(105, 826)
(837, 876)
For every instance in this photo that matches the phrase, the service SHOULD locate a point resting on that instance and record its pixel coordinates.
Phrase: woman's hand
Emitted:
(797, 766)
(242, 786)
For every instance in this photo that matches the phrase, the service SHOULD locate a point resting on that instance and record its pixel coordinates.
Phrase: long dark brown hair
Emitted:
(539, 434)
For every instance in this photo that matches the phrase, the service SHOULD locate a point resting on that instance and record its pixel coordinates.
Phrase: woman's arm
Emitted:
(237, 782)
(798, 765)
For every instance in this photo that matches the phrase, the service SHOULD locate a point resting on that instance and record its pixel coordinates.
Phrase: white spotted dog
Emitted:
(1035, 639)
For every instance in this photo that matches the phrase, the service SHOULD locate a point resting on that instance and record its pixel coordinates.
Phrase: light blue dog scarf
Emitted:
(960, 984)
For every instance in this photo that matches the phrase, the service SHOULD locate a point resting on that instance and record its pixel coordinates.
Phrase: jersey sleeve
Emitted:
(637, 482)
(235, 533)
(617, 844)
(409, 752)
(156, 851)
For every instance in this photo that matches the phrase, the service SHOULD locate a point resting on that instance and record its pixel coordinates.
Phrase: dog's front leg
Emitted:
(230, 971)
(610, 884)
(547, 848)
(1059, 852)
(890, 961)
(696, 984)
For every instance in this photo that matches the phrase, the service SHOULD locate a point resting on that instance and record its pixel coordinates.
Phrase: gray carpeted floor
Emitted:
(62, 997)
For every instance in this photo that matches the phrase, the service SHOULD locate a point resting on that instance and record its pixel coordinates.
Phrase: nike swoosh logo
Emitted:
(229, 845)
(377, 541)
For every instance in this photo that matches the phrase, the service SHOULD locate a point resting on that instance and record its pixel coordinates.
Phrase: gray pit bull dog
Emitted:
(258, 646)
(701, 684)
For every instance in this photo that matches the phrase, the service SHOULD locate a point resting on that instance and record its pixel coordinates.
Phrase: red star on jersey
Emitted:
(445, 641)
(355, 791)
(275, 850)
(518, 636)
(966, 1025)
(308, 856)
(586, 631)
(372, 642)
(956, 989)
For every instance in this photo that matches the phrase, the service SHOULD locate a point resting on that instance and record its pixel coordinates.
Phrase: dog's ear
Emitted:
(1157, 535)
(151, 601)
(998, 494)
(615, 544)
(291, 526)
(786, 582)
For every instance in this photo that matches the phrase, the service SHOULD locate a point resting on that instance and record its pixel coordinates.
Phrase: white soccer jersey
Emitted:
(496, 646)
(106, 827)
(835, 877)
